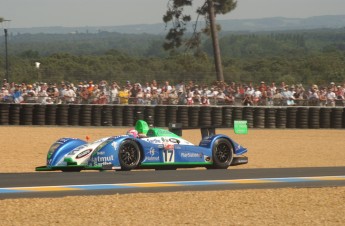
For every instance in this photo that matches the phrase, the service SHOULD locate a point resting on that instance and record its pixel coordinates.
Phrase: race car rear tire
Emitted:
(129, 155)
(222, 154)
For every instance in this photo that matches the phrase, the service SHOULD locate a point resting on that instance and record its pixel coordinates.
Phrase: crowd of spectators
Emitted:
(189, 93)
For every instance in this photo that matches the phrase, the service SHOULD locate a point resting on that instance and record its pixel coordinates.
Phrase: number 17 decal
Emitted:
(169, 156)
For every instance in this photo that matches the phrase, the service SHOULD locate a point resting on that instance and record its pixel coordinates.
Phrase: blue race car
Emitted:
(157, 149)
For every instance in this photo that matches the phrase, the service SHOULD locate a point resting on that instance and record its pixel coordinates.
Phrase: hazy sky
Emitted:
(76, 13)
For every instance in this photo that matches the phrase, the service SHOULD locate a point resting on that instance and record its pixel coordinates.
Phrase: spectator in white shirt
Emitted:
(114, 92)
(69, 94)
(42, 96)
(331, 97)
(256, 96)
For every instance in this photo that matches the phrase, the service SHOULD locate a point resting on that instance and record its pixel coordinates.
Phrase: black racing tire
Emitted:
(222, 154)
(129, 155)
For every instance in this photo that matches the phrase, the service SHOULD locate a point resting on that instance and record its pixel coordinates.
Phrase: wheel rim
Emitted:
(129, 154)
(223, 153)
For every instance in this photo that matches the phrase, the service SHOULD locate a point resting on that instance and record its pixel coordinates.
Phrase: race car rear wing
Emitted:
(205, 130)
(240, 127)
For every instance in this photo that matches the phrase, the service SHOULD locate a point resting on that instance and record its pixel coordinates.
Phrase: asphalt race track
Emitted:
(57, 184)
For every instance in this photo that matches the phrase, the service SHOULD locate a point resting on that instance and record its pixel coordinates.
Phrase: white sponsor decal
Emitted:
(83, 153)
(191, 155)
(154, 141)
(174, 140)
(151, 158)
(152, 151)
(100, 160)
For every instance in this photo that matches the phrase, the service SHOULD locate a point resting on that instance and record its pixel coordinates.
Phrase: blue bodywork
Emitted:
(154, 152)
(60, 148)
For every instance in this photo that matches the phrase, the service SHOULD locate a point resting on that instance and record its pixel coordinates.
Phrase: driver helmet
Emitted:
(133, 132)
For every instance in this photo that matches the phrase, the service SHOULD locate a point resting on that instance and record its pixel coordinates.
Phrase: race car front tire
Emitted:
(222, 154)
(129, 155)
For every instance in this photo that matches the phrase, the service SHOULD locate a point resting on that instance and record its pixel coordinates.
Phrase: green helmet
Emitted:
(142, 127)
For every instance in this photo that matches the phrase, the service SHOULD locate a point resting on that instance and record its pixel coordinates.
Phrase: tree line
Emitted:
(306, 56)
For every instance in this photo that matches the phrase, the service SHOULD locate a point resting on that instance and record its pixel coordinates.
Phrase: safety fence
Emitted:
(162, 115)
